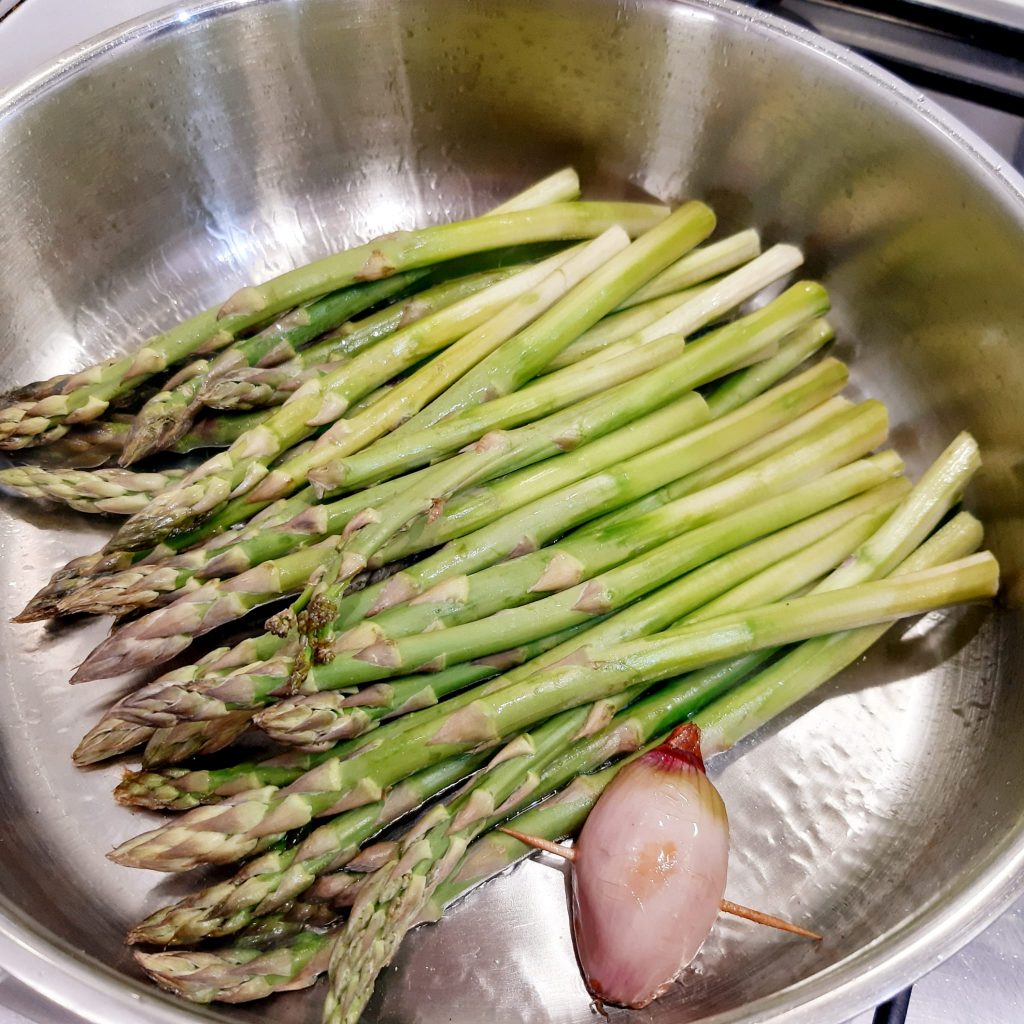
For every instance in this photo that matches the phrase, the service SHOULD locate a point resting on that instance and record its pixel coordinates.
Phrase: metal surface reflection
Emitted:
(149, 178)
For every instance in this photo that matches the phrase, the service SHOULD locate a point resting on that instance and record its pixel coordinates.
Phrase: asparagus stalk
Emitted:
(479, 506)
(504, 371)
(391, 899)
(384, 658)
(152, 584)
(321, 402)
(555, 393)
(580, 307)
(201, 836)
(169, 413)
(386, 906)
(536, 523)
(742, 711)
(562, 814)
(113, 735)
(168, 631)
(178, 696)
(111, 491)
(238, 386)
(699, 266)
(239, 974)
(497, 452)
(799, 564)
(722, 726)
(291, 526)
(313, 722)
(107, 594)
(685, 279)
(704, 360)
(509, 775)
(560, 187)
(655, 365)
(88, 394)
(692, 312)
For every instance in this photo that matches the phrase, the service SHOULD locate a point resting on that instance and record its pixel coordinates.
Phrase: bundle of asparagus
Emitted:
(530, 505)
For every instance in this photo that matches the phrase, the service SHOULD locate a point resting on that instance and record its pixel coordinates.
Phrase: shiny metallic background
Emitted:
(150, 175)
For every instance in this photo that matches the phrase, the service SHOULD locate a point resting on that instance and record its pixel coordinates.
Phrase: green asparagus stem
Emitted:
(237, 975)
(560, 187)
(757, 700)
(183, 695)
(321, 402)
(312, 722)
(705, 359)
(258, 386)
(580, 307)
(168, 414)
(504, 371)
(152, 584)
(111, 491)
(685, 279)
(162, 632)
(562, 814)
(421, 439)
(392, 898)
(799, 564)
(229, 906)
(699, 266)
(645, 353)
(210, 837)
(389, 902)
(87, 394)
(113, 735)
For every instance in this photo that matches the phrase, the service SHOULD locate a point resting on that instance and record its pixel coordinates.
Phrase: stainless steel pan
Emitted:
(151, 172)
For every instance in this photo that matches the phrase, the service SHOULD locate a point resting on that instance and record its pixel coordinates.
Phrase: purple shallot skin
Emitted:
(650, 869)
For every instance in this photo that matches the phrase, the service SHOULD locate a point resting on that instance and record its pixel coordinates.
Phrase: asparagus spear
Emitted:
(169, 630)
(238, 377)
(497, 452)
(238, 386)
(738, 713)
(240, 974)
(213, 837)
(109, 594)
(479, 506)
(504, 371)
(794, 564)
(312, 722)
(168, 414)
(321, 402)
(705, 360)
(384, 658)
(175, 696)
(225, 908)
(693, 311)
(699, 266)
(576, 310)
(284, 531)
(686, 278)
(113, 491)
(560, 391)
(562, 814)
(152, 584)
(87, 394)
(560, 187)
(388, 905)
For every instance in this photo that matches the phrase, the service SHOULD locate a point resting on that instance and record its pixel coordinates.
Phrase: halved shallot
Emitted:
(650, 867)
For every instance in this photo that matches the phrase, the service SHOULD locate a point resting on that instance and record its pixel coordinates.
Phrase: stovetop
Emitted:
(970, 65)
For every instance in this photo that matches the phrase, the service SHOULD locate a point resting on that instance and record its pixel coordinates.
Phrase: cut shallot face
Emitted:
(650, 871)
